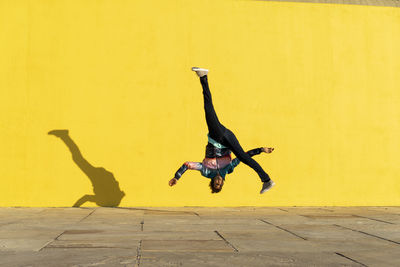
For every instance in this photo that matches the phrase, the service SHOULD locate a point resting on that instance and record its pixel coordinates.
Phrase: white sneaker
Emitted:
(267, 186)
(200, 72)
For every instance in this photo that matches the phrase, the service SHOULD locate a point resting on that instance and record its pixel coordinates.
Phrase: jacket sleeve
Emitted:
(254, 152)
(232, 165)
(188, 165)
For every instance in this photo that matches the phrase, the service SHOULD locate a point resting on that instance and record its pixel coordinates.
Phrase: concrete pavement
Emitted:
(196, 236)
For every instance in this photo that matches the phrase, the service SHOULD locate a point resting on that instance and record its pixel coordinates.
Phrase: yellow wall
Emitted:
(319, 82)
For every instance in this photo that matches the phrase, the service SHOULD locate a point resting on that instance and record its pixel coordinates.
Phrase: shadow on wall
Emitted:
(106, 189)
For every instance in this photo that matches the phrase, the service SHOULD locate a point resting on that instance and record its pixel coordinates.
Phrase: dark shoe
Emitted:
(267, 186)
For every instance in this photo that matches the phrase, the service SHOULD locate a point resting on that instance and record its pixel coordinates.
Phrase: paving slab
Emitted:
(252, 235)
(186, 245)
(317, 219)
(23, 244)
(358, 245)
(364, 210)
(171, 219)
(321, 232)
(239, 211)
(202, 227)
(387, 232)
(29, 233)
(286, 219)
(137, 235)
(200, 236)
(285, 245)
(383, 218)
(82, 257)
(242, 259)
(119, 242)
(374, 257)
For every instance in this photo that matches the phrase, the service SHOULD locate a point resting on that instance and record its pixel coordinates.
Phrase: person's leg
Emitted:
(77, 157)
(232, 143)
(215, 128)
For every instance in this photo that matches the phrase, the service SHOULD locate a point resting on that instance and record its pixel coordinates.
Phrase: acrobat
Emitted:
(221, 142)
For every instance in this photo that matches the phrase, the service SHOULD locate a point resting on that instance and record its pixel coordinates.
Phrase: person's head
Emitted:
(216, 184)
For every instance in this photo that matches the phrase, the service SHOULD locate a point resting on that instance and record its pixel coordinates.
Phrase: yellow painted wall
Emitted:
(319, 82)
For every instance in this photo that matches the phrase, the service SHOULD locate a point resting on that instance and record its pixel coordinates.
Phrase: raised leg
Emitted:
(215, 128)
(233, 144)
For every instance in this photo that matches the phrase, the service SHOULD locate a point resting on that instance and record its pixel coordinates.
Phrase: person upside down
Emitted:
(221, 142)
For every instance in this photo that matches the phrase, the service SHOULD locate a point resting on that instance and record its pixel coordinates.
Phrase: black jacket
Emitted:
(214, 152)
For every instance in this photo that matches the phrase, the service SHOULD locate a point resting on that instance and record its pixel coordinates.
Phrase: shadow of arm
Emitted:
(84, 199)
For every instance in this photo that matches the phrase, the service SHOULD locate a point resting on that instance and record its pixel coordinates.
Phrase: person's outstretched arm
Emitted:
(187, 165)
(257, 151)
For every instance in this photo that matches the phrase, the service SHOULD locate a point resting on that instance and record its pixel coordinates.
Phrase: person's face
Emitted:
(218, 182)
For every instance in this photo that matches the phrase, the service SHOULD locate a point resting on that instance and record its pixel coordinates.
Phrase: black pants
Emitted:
(224, 136)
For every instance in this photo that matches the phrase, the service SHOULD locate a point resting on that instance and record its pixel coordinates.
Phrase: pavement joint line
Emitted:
(226, 241)
(373, 219)
(353, 260)
(283, 210)
(398, 243)
(87, 215)
(195, 213)
(51, 241)
(283, 229)
(186, 250)
(138, 253)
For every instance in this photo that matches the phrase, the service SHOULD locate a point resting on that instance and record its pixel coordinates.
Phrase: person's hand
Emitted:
(267, 149)
(172, 182)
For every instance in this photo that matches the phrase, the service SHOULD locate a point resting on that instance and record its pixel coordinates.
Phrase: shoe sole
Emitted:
(268, 188)
(198, 69)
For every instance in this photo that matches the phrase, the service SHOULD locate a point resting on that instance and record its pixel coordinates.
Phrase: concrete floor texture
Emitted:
(197, 236)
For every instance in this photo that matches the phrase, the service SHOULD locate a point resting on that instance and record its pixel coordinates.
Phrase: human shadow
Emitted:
(106, 189)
